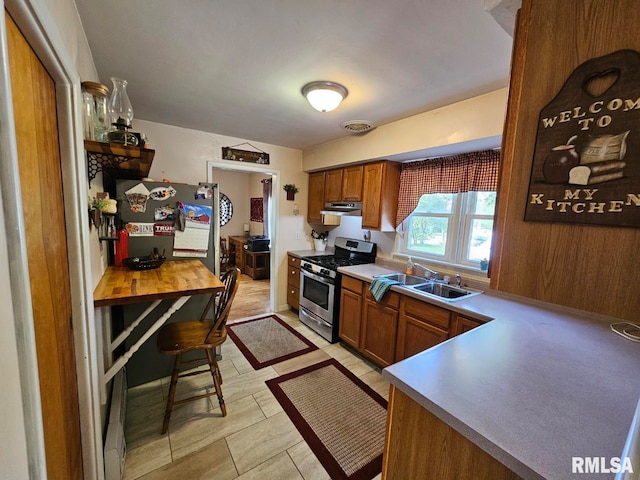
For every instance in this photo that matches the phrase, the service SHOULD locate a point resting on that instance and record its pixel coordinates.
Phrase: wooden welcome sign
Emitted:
(586, 165)
(229, 153)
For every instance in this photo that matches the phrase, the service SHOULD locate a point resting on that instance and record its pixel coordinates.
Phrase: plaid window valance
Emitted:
(475, 171)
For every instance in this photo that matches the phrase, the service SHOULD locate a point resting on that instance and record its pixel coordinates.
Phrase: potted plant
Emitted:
(291, 190)
(95, 210)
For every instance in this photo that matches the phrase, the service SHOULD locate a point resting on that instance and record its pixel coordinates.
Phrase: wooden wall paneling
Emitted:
(443, 453)
(585, 267)
(35, 113)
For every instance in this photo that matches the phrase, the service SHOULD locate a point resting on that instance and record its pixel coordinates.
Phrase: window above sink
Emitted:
(451, 228)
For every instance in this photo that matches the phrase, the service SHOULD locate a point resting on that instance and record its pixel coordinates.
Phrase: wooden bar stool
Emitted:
(182, 337)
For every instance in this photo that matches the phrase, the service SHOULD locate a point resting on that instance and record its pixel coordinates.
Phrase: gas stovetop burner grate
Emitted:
(332, 262)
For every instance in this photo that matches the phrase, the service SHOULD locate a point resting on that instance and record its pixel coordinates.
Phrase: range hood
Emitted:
(342, 208)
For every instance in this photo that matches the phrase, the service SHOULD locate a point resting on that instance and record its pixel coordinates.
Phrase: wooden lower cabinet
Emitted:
(379, 327)
(396, 327)
(420, 326)
(350, 311)
(367, 325)
(293, 282)
(419, 445)
(463, 324)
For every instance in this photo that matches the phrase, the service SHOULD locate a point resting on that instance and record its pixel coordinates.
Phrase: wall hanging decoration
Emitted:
(586, 165)
(232, 153)
(291, 190)
(257, 210)
(226, 209)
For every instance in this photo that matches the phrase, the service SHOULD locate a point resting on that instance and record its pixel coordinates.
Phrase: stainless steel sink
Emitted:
(445, 292)
(405, 279)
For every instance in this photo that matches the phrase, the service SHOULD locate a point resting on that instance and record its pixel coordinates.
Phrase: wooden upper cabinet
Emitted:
(352, 179)
(381, 182)
(343, 184)
(333, 185)
(316, 197)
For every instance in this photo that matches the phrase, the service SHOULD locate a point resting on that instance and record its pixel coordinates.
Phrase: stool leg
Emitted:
(215, 373)
(172, 393)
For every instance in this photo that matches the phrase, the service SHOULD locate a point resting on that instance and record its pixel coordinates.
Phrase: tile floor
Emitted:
(256, 440)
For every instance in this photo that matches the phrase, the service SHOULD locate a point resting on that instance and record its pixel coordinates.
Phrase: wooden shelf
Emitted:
(101, 155)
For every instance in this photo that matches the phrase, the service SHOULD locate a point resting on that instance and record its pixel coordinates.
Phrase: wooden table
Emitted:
(179, 279)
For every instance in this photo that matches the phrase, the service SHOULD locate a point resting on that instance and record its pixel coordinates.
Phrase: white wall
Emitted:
(452, 129)
(472, 124)
(235, 185)
(182, 154)
(255, 191)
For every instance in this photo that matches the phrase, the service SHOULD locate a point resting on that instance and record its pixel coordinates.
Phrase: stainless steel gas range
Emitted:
(320, 284)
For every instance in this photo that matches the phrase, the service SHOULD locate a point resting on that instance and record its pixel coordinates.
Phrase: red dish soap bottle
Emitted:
(122, 247)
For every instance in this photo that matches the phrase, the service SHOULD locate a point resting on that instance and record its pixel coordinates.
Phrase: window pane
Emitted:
(436, 203)
(428, 234)
(480, 241)
(485, 203)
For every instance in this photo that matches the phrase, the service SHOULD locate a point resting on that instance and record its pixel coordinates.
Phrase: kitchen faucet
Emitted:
(427, 271)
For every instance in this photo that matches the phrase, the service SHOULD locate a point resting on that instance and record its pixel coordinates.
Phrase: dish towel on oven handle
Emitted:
(380, 286)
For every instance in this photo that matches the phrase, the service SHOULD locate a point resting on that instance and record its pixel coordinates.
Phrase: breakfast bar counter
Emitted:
(533, 388)
(177, 280)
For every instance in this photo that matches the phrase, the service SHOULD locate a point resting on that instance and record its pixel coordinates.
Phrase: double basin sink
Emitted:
(432, 288)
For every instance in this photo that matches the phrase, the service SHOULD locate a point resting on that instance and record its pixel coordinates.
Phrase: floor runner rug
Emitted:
(341, 418)
(268, 340)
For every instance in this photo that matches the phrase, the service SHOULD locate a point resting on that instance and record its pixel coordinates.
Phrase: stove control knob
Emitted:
(324, 271)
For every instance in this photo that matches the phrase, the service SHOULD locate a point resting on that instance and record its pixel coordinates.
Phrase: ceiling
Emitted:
(236, 67)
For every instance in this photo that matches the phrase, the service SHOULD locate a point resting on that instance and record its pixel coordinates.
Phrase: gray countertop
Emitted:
(534, 387)
(310, 253)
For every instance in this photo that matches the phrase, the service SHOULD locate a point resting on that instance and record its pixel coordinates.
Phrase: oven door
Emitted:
(317, 294)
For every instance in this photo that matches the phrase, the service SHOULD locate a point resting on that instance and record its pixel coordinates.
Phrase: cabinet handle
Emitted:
(293, 272)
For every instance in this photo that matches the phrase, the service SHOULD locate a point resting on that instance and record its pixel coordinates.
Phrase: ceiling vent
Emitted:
(357, 126)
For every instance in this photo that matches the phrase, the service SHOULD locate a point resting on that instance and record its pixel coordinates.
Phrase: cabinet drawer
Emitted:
(390, 299)
(293, 296)
(350, 283)
(426, 312)
(293, 276)
(294, 261)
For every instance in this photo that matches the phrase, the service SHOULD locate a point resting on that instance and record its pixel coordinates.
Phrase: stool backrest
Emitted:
(221, 302)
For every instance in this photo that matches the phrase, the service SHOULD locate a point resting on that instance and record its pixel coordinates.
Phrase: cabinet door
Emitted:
(379, 332)
(333, 186)
(371, 195)
(463, 324)
(381, 181)
(316, 197)
(352, 178)
(350, 317)
(293, 296)
(415, 336)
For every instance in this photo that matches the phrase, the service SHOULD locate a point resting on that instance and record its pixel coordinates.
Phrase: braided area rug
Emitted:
(268, 340)
(340, 417)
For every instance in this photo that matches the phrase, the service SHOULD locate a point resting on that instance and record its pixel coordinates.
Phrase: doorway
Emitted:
(256, 290)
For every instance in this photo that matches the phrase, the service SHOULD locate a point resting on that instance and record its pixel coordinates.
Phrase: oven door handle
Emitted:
(319, 278)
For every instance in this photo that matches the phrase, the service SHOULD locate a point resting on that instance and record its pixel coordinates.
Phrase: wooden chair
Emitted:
(227, 257)
(182, 337)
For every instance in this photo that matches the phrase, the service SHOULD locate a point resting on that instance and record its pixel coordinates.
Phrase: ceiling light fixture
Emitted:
(324, 96)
